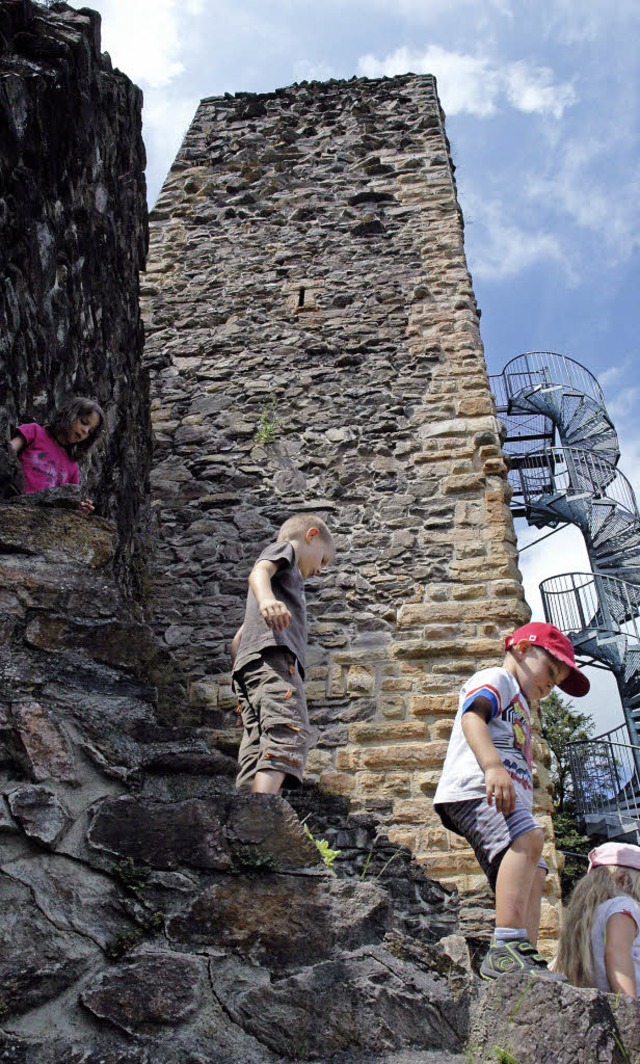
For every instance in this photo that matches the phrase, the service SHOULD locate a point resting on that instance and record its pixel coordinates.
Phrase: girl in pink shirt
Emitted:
(49, 456)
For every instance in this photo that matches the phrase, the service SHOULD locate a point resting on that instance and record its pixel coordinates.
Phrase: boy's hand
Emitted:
(275, 614)
(87, 506)
(500, 789)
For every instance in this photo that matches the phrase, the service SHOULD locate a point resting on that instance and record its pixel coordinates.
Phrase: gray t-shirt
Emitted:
(288, 587)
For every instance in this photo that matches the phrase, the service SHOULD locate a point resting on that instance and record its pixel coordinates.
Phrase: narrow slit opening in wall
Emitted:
(300, 297)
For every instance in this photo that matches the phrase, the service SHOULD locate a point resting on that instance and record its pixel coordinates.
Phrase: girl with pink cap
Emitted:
(600, 941)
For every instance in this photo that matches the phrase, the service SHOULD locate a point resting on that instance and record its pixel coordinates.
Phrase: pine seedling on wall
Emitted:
(267, 428)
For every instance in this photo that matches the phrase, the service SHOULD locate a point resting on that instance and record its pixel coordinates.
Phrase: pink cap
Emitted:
(623, 854)
(555, 643)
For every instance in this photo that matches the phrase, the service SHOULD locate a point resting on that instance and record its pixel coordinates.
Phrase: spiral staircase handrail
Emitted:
(578, 602)
(539, 368)
(583, 466)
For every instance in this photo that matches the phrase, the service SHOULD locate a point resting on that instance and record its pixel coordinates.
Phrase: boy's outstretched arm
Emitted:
(498, 782)
(274, 612)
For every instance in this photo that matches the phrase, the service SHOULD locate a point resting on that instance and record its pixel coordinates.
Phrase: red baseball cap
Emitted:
(555, 643)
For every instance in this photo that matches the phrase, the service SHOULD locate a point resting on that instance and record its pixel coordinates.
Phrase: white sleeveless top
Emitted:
(622, 904)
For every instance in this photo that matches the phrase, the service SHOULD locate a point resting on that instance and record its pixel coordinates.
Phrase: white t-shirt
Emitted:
(622, 904)
(510, 731)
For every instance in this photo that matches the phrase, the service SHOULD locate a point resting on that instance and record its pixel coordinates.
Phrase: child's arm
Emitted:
(235, 642)
(274, 612)
(618, 959)
(498, 781)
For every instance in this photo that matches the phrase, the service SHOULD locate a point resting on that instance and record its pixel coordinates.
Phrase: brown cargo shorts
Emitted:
(276, 734)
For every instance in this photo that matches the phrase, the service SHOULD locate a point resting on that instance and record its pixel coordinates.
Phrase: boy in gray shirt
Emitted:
(269, 656)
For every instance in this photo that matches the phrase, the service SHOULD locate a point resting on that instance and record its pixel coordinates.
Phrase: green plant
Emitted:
(249, 858)
(132, 876)
(127, 940)
(122, 943)
(327, 854)
(503, 1056)
(267, 428)
(365, 869)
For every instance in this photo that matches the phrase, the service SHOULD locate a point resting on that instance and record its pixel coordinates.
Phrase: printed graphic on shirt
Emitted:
(47, 468)
(517, 751)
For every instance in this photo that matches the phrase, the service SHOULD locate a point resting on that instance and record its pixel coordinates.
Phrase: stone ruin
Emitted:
(312, 342)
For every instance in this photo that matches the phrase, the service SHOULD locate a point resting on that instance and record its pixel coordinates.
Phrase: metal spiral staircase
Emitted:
(563, 453)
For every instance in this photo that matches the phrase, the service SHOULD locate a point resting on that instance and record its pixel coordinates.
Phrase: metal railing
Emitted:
(548, 369)
(564, 470)
(578, 601)
(606, 780)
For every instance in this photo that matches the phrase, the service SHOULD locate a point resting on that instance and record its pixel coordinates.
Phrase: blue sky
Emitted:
(543, 114)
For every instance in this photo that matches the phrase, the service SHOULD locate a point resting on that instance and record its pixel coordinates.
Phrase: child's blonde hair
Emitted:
(301, 523)
(575, 956)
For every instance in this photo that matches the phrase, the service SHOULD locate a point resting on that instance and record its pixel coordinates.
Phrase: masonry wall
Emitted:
(313, 342)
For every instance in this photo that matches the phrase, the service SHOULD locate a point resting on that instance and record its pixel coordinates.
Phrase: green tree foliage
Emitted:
(561, 725)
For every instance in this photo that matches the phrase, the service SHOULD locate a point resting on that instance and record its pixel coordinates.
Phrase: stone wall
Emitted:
(313, 344)
(73, 237)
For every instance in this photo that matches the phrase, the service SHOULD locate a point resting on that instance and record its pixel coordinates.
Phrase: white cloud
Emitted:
(166, 119)
(143, 37)
(430, 10)
(500, 248)
(307, 71)
(607, 207)
(531, 89)
(475, 84)
(610, 375)
(576, 24)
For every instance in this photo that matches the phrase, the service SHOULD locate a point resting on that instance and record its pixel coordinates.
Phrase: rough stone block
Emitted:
(40, 813)
(533, 1020)
(407, 755)
(46, 751)
(361, 680)
(148, 992)
(372, 732)
(283, 924)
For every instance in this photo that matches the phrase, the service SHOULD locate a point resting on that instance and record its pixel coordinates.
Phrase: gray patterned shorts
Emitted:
(488, 832)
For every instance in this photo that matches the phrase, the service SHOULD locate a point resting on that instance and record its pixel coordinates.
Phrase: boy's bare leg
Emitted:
(535, 901)
(518, 888)
(267, 782)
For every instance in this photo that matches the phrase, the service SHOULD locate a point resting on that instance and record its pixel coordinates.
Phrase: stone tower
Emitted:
(313, 343)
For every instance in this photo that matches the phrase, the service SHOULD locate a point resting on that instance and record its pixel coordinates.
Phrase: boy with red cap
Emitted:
(485, 792)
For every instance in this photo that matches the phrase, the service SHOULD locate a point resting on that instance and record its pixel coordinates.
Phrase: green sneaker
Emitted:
(513, 956)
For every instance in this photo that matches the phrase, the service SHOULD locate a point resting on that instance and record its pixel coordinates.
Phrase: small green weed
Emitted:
(122, 944)
(327, 854)
(365, 869)
(267, 428)
(131, 876)
(249, 858)
(128, 940)
(503, 1056)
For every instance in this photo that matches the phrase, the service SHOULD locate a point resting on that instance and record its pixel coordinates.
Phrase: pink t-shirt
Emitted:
(45, 463)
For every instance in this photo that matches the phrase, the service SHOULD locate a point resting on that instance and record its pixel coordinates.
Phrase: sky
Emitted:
(542, 104)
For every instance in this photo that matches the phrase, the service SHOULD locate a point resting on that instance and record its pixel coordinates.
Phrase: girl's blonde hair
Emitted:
(575, 957)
